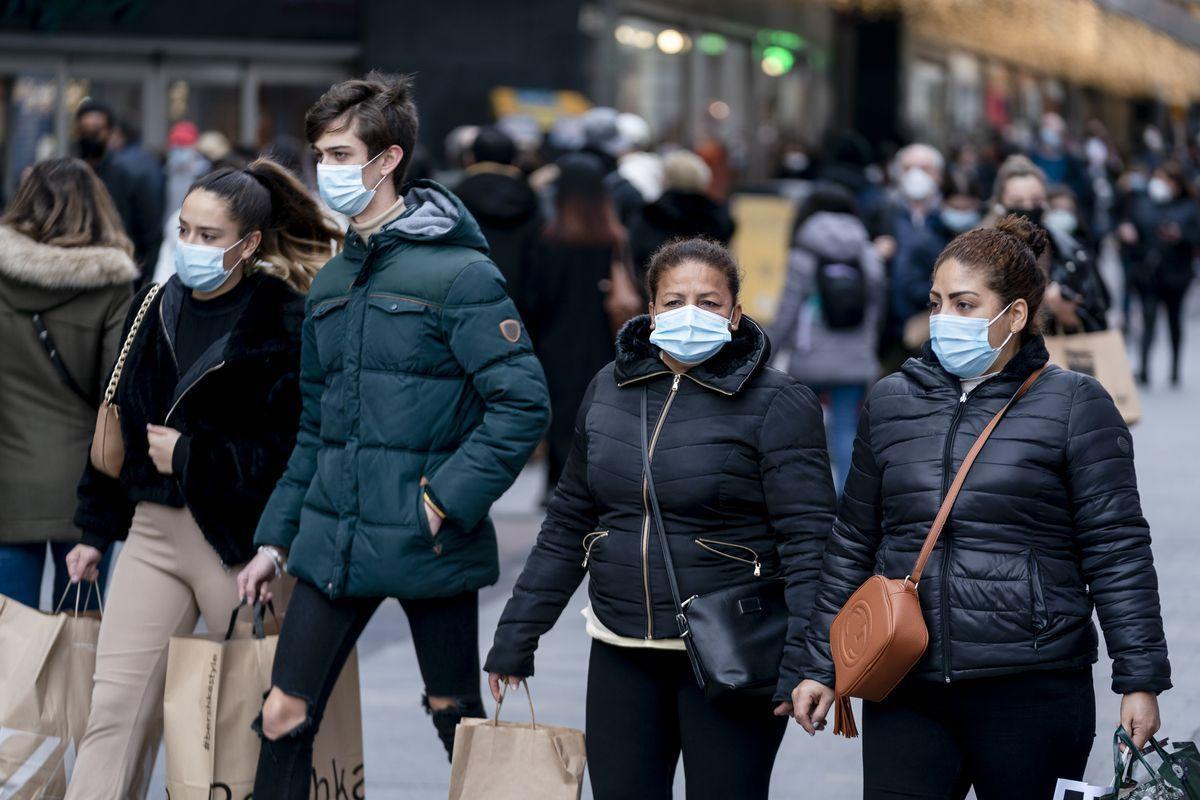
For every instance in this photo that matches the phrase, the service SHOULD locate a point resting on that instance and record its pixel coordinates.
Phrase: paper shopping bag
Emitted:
(214, 691)
(496, 760)
(1101, 355)
(46, 667)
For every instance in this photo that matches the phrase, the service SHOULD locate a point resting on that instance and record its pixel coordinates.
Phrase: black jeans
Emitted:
(1173, 300)
(643, 707)
(317, 637)
(1011, 737)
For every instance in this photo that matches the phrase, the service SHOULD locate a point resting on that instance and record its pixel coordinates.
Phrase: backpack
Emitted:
(841, 291)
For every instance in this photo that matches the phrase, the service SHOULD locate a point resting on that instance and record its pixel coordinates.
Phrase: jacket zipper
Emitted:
(589, 542)
(646, 509)
(713, 546)
(944, 578)
(188, 389)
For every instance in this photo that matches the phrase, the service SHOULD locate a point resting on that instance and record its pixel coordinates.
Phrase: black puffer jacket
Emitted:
(1048, 525)
(238, 408)
(740, 467)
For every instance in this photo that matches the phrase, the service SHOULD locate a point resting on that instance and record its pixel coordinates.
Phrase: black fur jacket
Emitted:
(237, 407)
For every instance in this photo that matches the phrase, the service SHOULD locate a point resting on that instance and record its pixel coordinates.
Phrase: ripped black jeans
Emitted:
(317, 637)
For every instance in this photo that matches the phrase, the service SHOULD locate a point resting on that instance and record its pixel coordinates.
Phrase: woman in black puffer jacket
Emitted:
(1047, 528)
(743, 479)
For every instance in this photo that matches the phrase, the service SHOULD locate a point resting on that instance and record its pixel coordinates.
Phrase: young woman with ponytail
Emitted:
(210, 404)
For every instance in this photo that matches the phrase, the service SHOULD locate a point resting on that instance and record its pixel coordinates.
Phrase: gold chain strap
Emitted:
(111, 391)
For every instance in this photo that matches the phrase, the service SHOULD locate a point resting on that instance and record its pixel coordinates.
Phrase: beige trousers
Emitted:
(166, 577)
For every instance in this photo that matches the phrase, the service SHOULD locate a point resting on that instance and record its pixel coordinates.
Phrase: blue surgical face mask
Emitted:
(202, 266)
(960, 219)
(690, 335)
(961, 343)
(342, 189)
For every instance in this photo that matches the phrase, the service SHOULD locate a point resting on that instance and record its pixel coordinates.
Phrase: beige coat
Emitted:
(82, 294)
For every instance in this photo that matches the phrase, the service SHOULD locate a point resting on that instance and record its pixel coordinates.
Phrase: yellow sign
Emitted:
(544, 105)
(761, 245)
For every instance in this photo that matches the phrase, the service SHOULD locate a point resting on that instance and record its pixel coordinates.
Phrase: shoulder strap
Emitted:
(64, 375)
(111, 392)
(960, 477)
(680, 619)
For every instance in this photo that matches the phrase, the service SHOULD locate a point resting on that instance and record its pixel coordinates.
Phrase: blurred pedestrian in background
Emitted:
(210, 405)
(683, 210)
(1162, 232)
(66, 277)
(136, 189)
(185, 164)
(497, 194)
(961, 208)
(829, 314)
(578, 291)
(911, 237)
(603, 138)
(1076, 297)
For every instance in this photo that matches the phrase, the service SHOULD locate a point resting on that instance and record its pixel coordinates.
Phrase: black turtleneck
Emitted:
(202, 322)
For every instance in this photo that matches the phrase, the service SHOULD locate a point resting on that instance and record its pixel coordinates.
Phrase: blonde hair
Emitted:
(684, 171)
(62, 202)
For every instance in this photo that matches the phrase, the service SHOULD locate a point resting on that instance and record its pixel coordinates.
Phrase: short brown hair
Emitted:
(1008, 256)
(62, 202)
(698, 248)
(1015, 166)
(378, 109)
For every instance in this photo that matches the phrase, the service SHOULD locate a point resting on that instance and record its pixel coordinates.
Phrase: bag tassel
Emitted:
(843, 718)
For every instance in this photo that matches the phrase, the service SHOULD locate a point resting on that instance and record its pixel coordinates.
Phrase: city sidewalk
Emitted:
(405, 760)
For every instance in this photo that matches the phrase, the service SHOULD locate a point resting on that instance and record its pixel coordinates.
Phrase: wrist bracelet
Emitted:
(275, 556)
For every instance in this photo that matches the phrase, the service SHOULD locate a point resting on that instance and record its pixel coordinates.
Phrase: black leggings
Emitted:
(643, 707)
(317, 637)
(1173, 301)
(1011, 737)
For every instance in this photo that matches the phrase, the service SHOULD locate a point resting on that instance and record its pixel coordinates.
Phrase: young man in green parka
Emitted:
(422, 400)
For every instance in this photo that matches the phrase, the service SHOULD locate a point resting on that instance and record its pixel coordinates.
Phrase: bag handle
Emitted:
(500, 702)
(111, 391)
(92, 587)
(1120, 766)
(681, 621)
(960, 477)
(257, 628)
(60, 367)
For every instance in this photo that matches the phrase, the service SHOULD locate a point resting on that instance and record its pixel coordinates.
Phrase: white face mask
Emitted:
(1160, 191)
(341, 186)
(690, 334)
(1061, 220)
(916, 184)
(202, 266)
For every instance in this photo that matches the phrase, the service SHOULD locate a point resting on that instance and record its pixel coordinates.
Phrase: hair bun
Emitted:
(1025, 230)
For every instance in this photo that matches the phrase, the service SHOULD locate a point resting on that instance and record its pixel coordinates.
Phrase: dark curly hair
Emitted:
(696, 248)
(1008, 256)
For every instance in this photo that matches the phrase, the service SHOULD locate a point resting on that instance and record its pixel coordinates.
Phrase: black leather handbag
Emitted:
(734, 636)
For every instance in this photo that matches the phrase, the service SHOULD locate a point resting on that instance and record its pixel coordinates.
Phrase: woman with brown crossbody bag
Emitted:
(991, 507)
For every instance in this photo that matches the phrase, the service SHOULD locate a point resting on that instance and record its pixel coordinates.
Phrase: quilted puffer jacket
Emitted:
(1048, 526)
(742, 477)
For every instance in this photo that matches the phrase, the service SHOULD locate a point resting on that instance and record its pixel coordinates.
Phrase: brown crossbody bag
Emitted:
(880, 635)
(108, 444)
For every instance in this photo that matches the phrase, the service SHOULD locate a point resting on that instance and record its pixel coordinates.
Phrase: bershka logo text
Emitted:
(208, 702)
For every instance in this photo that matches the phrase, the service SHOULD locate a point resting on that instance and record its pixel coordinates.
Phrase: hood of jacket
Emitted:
(498, 196)
(432, 215)
(689, 213)
(926, 371)
(40, 272)
(833, 236)
(726, 372)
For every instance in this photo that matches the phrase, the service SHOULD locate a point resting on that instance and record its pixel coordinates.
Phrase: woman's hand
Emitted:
(162, 447)
(495, 679)
(255, 578)
(83, 563)
(784, 709)
(811, 702)
(1127, 233)
(1139, 716)
(1064, 310)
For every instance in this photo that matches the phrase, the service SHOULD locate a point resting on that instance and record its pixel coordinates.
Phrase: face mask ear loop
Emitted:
(382, 178)
(226, 250)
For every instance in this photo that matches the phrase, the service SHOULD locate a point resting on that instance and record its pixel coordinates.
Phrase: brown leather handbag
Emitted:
(880, 634)
(108, 445)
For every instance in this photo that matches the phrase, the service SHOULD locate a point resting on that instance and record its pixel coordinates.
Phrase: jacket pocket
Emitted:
(589, 542)
(330, 329)
(1039, 617)
(423, 529)
(735, 552)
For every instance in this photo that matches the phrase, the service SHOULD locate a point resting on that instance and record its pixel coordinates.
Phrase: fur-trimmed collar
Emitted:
(727, 371)
(49, 266)
(928, 370)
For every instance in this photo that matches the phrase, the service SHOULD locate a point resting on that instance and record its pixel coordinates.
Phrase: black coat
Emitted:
(740, 467)
(1048, 526)
(673, 215)
(509, 217)
(1159, 264)
(238, 408)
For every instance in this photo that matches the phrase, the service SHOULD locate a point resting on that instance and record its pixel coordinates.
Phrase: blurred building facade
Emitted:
(750, 75)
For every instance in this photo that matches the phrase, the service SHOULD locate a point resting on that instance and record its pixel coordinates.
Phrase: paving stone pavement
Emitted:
(405, 761)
